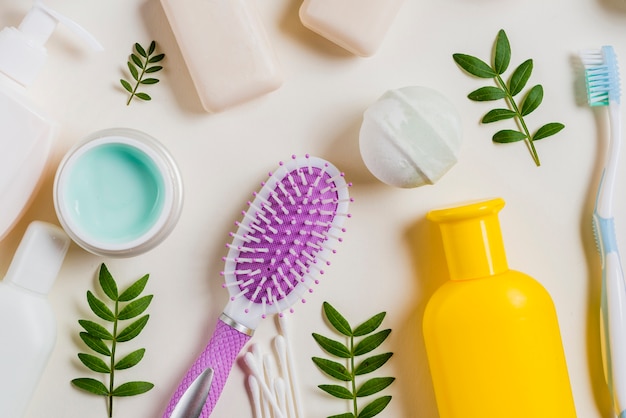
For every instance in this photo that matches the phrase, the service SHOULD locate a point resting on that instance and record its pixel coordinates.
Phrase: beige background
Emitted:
(390, 259)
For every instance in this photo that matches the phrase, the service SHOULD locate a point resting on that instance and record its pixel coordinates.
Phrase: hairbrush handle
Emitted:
(219, 355)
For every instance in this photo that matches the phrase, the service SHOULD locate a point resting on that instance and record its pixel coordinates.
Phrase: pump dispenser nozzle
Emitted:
(22, 49)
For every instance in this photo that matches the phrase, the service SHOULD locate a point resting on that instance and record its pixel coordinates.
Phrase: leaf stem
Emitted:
(112, 372)
(352, 370)
(519, 118)
(138, 81)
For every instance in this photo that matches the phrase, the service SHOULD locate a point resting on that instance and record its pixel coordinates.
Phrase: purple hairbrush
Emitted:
(280, 248)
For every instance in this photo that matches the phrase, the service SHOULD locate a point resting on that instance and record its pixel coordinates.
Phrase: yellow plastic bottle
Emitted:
(492, 335)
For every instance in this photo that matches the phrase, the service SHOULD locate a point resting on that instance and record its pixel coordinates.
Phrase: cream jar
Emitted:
(118, 193)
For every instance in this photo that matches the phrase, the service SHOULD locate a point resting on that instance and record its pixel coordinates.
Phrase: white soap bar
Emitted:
(225, 48)
(410, 137)
(356, 25)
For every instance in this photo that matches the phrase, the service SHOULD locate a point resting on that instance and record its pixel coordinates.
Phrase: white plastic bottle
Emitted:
(26, 132)
(226, 50)
(358, 26)
(27, 323)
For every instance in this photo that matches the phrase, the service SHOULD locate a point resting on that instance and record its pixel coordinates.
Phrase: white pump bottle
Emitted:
(27, 323)
(27, 132)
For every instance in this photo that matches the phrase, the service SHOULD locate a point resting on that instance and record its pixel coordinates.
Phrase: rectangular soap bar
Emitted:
(225, 48)
(356, 25)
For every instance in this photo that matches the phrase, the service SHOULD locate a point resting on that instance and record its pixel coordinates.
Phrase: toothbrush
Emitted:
(280, 248)
(603, 89)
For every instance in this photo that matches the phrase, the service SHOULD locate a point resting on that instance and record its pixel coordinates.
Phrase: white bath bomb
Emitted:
(410, 137)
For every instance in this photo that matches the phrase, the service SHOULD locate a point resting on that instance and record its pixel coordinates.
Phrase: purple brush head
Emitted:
(285, 238)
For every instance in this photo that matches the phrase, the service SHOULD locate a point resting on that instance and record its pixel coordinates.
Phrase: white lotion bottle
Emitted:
(27, 132)
(358, 26)
(27, 322)
(226, 50)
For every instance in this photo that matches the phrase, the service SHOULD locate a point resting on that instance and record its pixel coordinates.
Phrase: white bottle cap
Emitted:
(39, 257)
(22, 49)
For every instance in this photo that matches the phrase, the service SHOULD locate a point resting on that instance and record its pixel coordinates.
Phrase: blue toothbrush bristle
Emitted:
(601, 76)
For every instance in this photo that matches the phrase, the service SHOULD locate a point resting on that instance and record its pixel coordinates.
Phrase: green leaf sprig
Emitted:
(501, 58)
(361, 340)
(139, 65)
(103, 341)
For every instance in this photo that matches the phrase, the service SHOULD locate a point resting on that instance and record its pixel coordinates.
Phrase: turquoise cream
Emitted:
(115, 193)
(118, 193)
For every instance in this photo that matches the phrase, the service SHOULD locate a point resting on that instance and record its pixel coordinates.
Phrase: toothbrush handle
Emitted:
(613, 315)
(220, 355)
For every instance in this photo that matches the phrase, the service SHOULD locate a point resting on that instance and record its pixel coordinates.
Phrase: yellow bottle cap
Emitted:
(472, 239)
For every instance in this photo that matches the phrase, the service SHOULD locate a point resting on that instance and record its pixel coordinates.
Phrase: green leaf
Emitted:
(370, 325)
(474, 66)
(95, 329)
(140, 50)
(515, 85)
(532, 100)
(498, 114)
(502, 55)
(337, 320)
(133, 329)
(373, 386)
(375, 408)
(520, 77)
(94, 363)
(133, 71)
(130, 360)
(149, 81)
(368, 344)
(346, 370)
(96, 344)
(156, 58)
(134, 289)
(135, 308)
(487, 93)
(547, 130)
(372, 363)
(126, 85)
(332, 347)
(96, 333)
(143, 96)
(333, 369)
(142, 62)
(136, 60)
(91, 385)
(99, 308)
(107, 282)
(506, 136)
(132, 388)
(337, 391)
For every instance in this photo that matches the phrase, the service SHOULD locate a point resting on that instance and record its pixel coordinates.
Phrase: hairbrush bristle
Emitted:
(287, 235)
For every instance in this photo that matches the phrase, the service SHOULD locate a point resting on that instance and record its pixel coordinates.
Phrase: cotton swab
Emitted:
(281, 351)
(258, 358)
(258, 374)
(269, 365)
(279, 388)
(256, 396)
(282, 322)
